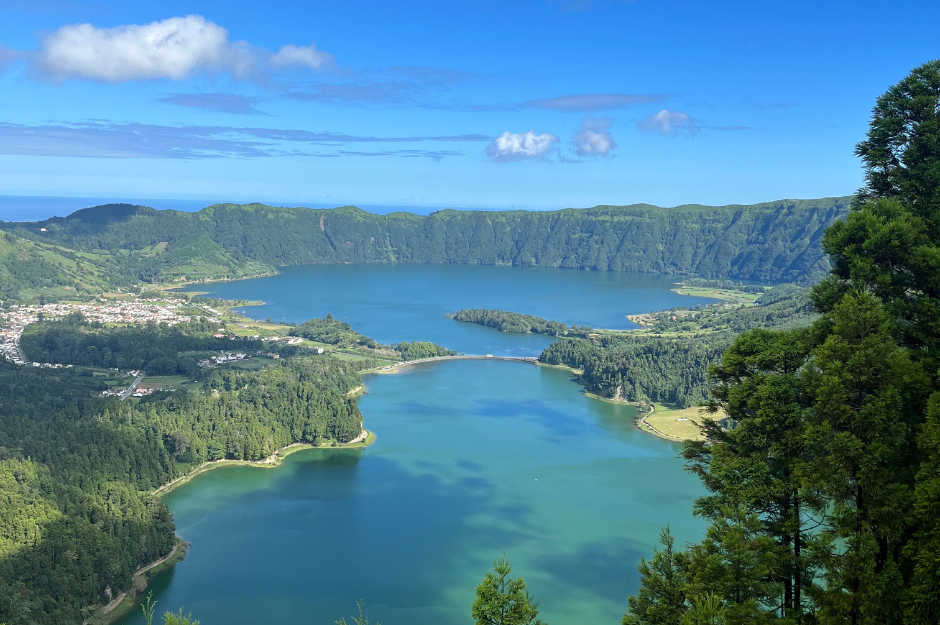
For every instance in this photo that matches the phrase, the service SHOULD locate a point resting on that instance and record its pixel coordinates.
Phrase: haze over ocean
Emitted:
(35, 208)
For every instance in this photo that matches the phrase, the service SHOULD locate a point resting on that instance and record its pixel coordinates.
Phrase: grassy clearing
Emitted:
(356, 357)
(170, 381)
(255, 363)
(679, 424)
(571, 370)
(728, 295)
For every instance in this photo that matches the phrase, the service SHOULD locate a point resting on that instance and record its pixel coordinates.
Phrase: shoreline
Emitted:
(179, 285)
(640, 421)
(644, 426)
(365, 439)
(125, 602)
(109, 613)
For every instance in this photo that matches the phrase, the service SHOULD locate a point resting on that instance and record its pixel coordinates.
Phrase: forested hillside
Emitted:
(155, 349)
(75, 519)
(772, 242)
(670, 362)
(29, 269)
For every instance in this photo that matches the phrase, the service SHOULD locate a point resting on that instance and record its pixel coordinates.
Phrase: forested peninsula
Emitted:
(668, 358)
(515, 322)
(118, 245)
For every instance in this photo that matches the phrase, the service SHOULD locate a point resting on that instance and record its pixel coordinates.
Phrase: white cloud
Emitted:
(594, 139)
(303, 56)
(669, 123)
(514, 146)
(175, 48)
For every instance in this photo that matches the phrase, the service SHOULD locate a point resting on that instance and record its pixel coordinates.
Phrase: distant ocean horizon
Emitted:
(37, 208)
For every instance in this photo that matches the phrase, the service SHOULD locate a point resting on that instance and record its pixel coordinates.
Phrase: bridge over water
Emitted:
(528, 359)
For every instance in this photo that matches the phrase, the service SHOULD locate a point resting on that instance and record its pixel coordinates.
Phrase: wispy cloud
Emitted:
(392, 86)
(668, 122)
(432, 154)
(8, 56)
(585, 5)
(516, 146)
(591, 102)
(110, 140)
(176, 48)
(217, 102)
(594, 138)
(760, 105)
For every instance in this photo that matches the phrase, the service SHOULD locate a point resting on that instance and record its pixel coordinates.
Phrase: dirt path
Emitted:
(120, 598)
(363, 435)
(654, 430)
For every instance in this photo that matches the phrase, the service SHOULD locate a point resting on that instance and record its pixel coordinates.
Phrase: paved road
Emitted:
(130, 389)
(19, 349)
(530, 359)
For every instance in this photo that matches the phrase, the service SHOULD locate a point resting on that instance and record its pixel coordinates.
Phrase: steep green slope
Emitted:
(772, 242)
(30, 270)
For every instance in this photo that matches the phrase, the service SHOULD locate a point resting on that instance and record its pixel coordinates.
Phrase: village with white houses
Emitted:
(16, 318)
(13, 322)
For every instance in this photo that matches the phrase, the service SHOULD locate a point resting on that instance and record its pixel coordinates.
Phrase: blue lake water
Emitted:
(393, 303)
(474, 459)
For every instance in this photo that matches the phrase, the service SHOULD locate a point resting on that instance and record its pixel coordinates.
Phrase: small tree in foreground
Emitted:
(362, 620)
(149, 606)
(660, 599)
(502, 600)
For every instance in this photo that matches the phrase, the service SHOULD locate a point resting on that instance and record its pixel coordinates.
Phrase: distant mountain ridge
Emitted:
(769, 242)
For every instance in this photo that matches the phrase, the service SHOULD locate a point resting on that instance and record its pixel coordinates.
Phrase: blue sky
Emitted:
(478, 103)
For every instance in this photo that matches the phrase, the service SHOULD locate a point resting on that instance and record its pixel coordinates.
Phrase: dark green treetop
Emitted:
(504, 600)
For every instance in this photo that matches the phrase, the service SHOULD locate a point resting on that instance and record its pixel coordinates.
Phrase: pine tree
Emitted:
(660, 600)
(868, 396)
(502, 600)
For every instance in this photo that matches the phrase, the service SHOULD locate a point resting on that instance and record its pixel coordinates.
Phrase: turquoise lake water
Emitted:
(474, 459)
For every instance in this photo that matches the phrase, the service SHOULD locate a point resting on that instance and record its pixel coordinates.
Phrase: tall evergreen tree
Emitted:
(660, 599)
(868, 398)
(504, 600)
(828, 468)
(757, 464)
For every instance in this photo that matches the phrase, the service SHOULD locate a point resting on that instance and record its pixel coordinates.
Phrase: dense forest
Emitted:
(75, 519)
(155, 349)
(124, 245)
(823, 502)
(515, 322)
(670, 363)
